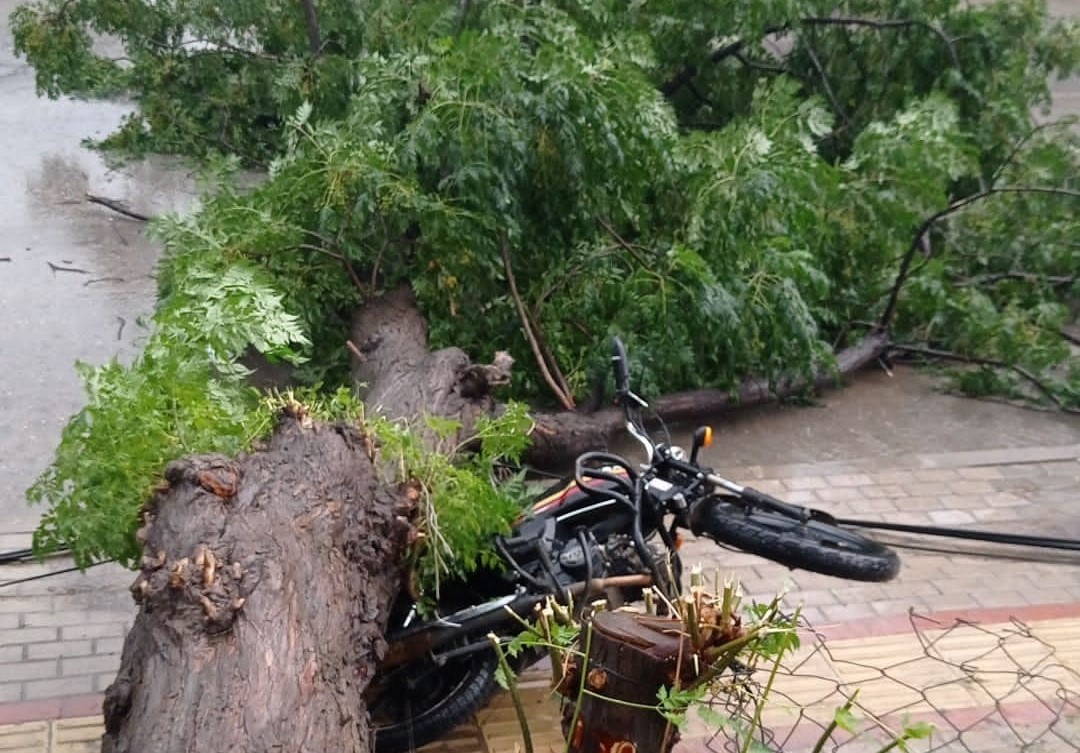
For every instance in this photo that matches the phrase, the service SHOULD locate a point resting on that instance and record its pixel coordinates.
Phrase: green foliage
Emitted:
(184, 394)
(461, 508)
(730, 186)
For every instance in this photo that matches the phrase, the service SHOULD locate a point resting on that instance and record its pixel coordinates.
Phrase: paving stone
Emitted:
(925, 488)
(88, 665)
(971, 487)
(57, 649)
(27, 635)
(28, 670)
(937, 475)
(856, 479)
(980, 473)
(25, 738)
(919, 503)
(891, 491)
(57, 688)
(951, 517)
(60, 619)
(801, 497)
(103, 630)
(805, 482)
(108, 645)
(838, 494)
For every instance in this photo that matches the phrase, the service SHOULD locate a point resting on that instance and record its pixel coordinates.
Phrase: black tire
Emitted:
(443, 698)
(815, 545)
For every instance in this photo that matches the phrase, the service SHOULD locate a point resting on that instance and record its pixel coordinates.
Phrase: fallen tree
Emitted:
(448, 179)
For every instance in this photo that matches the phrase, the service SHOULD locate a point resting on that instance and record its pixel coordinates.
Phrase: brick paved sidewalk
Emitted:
(988, 682)
(60, 637)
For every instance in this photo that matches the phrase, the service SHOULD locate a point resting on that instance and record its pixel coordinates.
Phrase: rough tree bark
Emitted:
(262, 596)
(266, 581)
(631, 657)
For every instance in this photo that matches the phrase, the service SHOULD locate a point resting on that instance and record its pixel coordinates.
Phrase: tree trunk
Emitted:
(631, 656)
(266, 581)
(560, 437)
(263, 594)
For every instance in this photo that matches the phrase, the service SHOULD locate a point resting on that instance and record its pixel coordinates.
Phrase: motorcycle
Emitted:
(608, 531)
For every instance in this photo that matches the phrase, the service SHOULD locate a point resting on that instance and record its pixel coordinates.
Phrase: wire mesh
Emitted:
(968, 687)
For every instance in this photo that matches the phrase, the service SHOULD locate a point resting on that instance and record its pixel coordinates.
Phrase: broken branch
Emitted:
(117, 207)
(948, 355)
(920, 235)
(565, 399)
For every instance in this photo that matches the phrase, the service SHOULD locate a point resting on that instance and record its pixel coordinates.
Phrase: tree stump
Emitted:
(631, 657)
(264, 592)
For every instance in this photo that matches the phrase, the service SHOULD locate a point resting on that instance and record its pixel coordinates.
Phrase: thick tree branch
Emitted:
(898, 23)
(311, 18)
(920, 234)
(990, 279)
(561, 436)
(827, 85)
(735, 49)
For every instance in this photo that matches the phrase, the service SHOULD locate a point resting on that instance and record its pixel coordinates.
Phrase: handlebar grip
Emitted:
(621, 366)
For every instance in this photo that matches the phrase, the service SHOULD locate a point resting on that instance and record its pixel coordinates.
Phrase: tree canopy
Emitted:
(735, 188)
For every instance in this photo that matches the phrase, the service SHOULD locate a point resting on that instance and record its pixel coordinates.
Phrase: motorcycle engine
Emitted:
(574, 560)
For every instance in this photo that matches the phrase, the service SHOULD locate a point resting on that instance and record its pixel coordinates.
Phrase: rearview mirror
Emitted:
(702, 438)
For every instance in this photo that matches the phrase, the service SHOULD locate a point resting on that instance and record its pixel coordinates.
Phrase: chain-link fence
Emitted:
(959, 686)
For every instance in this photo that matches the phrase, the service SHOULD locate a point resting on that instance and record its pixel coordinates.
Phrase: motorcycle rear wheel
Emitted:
(813, 545)
(426, 701)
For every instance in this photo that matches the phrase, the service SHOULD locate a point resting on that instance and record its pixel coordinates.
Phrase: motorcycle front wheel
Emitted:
(813, 545)
(424, 701)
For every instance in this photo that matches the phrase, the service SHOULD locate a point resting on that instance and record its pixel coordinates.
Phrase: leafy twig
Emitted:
(117, 207)
(899, 23)
(920, 233)
(340, 257)
(582, 689)
(948, 355)
(826, 85)
(565, 399)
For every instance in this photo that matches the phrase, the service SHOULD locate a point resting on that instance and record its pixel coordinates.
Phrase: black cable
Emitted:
(22, 555)
(1014, 539)
(50, 574)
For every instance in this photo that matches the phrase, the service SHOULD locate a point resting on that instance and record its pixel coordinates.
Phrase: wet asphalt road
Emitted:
(49, 319)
